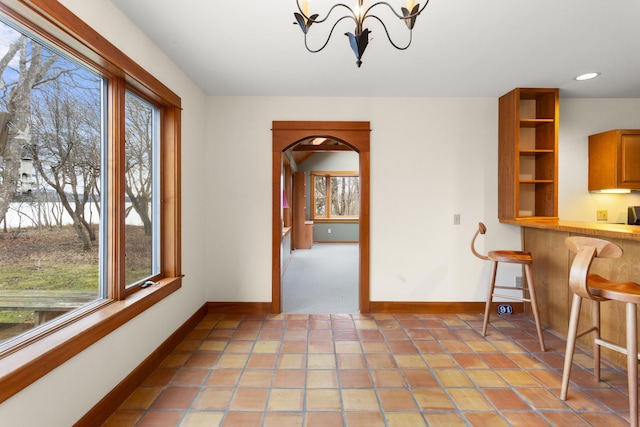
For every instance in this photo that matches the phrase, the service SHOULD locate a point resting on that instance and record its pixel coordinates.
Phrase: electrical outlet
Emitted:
(602, 214)
(519, 282)
(456, 219)
(329, 230)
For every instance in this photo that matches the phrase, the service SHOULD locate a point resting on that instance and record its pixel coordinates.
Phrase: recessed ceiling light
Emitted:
(587, 76)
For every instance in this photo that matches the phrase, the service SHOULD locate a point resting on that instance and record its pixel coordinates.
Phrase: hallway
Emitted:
(323, 279)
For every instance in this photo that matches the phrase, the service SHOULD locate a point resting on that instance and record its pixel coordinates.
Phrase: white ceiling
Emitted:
(461, 48)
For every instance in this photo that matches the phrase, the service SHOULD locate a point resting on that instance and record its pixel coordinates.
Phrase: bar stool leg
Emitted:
(487, 307)
(632, 362)
(571, 344)
(534, 303)
(595, 316)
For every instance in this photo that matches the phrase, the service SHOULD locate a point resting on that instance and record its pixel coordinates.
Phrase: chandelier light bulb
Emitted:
(357, 11)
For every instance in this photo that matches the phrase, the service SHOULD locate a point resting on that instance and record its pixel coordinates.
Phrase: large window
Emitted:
(336, 195)
(89, 190)
(53, 142)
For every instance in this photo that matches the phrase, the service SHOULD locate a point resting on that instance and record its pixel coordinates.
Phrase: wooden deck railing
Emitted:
(46, 304)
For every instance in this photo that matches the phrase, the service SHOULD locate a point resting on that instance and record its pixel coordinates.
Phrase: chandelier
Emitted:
(359, 39)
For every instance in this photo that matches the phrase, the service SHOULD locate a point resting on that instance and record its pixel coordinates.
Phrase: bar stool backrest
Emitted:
(481, 230)
(586, 249)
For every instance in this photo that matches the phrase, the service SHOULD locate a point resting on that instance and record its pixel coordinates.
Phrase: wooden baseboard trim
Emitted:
(108, 404)
(374, 307)
(239, 307)
(437, 307)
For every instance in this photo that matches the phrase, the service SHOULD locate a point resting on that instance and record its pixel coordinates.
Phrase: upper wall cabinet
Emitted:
(528, 154)
(614, 160)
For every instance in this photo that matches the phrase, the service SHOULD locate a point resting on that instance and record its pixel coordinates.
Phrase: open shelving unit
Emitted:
(528, 154)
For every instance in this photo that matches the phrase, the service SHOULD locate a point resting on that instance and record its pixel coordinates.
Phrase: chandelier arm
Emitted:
(328, 37)
(366, 13)
(320, 21)
(389, 36)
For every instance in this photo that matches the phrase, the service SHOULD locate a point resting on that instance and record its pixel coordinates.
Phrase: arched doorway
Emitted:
(357, 136)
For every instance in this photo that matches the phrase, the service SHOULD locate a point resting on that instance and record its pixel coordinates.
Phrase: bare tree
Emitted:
(66, 147)
(139, 158)
(33, 66)
(345, 195)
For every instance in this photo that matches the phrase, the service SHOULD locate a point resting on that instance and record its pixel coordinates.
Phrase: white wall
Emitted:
(430, 158)
(68, 392)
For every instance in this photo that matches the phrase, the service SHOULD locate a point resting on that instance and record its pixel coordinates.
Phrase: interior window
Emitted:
(336, 195)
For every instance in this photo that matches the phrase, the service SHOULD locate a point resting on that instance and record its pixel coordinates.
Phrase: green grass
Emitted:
(54, 261)
(133, 276)
(80, 277)
(16, 316)
(77, 277)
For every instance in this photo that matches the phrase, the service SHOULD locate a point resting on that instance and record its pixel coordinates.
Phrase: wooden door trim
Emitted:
(357, 136)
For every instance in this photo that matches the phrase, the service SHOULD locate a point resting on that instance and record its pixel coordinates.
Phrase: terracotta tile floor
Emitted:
(371, 370)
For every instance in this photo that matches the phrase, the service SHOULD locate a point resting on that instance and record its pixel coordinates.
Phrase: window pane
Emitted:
(51, 142)
(345, 196)
(320, 195)
(141, 186)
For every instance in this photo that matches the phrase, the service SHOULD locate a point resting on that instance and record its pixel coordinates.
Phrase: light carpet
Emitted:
(323, 279)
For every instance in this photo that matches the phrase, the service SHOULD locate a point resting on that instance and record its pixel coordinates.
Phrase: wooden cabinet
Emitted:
(614, 160)
(302, 231)
(308, 234)
(528, 154)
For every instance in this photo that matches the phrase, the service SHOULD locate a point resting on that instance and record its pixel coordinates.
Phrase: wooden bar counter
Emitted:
(551, 263)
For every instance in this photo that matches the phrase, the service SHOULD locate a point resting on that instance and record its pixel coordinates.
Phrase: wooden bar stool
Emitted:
(511, 257)
(597, 289)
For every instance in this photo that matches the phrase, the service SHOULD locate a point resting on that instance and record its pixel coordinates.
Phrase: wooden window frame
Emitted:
(39, 353)
(328, 218)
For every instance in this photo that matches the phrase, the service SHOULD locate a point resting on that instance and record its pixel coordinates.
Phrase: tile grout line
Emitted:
(454, 326)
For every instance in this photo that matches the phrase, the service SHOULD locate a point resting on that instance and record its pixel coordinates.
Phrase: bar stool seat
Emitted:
(598, 289)
(511, 257)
